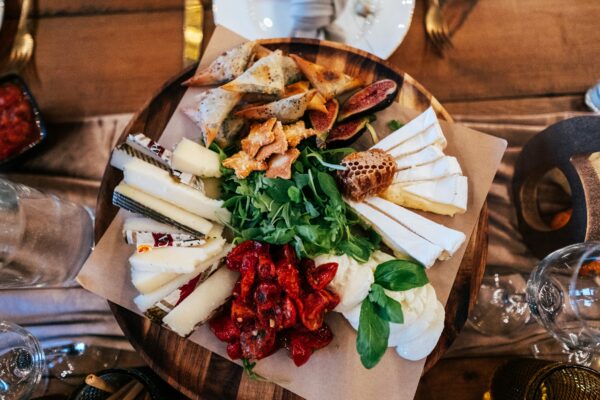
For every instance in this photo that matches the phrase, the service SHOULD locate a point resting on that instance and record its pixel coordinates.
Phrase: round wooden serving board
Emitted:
(195, 371)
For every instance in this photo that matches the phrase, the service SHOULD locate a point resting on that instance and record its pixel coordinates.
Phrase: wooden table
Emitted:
(510, 57)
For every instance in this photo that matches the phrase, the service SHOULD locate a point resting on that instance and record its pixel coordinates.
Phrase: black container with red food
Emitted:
(21, 124)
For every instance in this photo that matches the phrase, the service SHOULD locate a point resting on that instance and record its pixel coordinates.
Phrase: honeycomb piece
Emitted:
(367, 173)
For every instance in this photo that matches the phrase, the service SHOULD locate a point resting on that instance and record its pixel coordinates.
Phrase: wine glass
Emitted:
(562, 293)
(22, 362)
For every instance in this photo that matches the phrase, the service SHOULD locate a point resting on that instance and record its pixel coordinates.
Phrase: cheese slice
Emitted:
(158, 183)
(445, 196)
(432, 135)
(136, 198)
(147, 300)
(149, 281)
(448, 239)
(396, 236)
(427, 155)
(441, 168)
(180, 260)
(202, 303)
(409, 130)
(143, 224)
(195, 159)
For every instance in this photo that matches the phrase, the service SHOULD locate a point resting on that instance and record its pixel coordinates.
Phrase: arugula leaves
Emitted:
(378, 309)
(307, 210)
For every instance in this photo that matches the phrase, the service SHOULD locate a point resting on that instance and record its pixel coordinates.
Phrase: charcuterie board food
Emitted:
(297, 191)
(300, 247)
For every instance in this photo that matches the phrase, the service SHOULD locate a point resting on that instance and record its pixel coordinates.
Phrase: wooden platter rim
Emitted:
(120, 313)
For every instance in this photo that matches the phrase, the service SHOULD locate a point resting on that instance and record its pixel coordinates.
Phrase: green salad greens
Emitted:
(307, 211)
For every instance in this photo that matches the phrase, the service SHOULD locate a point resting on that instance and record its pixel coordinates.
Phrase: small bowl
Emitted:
(37, 117)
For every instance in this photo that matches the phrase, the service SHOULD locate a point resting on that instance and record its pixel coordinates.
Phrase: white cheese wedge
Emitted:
(409, 130)
(168, 210)
(158, 183)
(445, 196)
(448, 239)
(432, 135)
(180, 260)
(143, 224)
(196, 159)
(441, 168)
(149, 281)
(427, 155)
(147, 300)
(202, 302)
(396, 236)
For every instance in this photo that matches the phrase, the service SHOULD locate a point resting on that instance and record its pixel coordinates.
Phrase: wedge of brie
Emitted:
(137, 201)
(202, 303)
(432, 135)
(409, 130)
(427, 155)
(180, 260)
(441, 168)
(448, 239)
(445, 196)
(158, 183)
(396, 236)
(195, 159)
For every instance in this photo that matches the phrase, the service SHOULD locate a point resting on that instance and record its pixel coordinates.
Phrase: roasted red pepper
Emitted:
(278, 301)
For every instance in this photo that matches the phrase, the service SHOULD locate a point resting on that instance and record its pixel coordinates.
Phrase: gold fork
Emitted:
(436, 26)
(22, 49)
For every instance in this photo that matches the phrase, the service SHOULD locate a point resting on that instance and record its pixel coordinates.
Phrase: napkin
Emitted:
(315, 19)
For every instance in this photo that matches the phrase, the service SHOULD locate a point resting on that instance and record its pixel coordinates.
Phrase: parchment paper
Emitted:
(334, 372)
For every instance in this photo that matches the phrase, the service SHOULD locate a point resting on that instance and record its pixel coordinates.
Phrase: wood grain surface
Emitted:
(503, 50)
(195, 371)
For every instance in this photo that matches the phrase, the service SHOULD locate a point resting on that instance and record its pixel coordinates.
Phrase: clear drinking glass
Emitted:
(562, 293)
(44, 241)
(22, 363)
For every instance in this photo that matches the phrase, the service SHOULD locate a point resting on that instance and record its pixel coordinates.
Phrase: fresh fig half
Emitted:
(323, 122)
(377, 96)
(347, 131)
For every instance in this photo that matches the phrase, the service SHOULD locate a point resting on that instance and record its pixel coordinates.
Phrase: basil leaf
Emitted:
(387, 308)
(294, 194)
(394, 125)
(373, 335)
(399, 275)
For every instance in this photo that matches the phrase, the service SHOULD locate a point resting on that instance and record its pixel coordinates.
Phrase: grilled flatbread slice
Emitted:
(214, 105)
(295, 133)
(259, 136)
(280, 165)
(316, 103)
(243, 164)
(291, 72)
(264, 76)
(328, 82)
(286, 110)
(278, 146)
(224, 68)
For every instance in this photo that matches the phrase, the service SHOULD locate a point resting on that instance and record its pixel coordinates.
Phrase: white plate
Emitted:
(380, 34)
